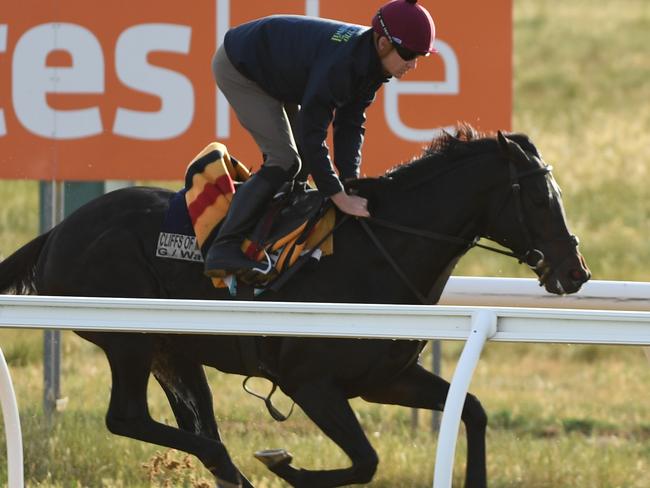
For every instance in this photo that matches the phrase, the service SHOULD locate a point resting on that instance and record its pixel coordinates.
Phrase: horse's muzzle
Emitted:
(566, 278)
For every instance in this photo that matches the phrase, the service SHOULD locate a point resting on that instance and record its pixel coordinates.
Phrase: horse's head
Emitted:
(530, 219)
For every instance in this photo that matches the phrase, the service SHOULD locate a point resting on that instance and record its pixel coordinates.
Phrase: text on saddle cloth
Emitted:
(295, 222)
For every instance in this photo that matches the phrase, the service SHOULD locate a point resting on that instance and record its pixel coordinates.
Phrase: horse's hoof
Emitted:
(273, 457)
(227, 484)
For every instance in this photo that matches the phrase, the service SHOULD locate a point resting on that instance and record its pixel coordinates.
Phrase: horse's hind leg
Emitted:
(418, 388)
(130, 357)
(328, 408)
(188, 392)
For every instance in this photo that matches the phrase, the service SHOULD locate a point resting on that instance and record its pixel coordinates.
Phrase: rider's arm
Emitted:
(349, 130)
(316, 114)
(315, 150)
(326, 93)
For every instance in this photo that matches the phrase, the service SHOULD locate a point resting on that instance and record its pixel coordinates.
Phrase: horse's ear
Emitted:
(503, 143)
(511, 149)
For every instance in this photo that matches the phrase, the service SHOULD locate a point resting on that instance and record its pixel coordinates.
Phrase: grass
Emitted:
(19, 214)
(560, 416)
(581, 92)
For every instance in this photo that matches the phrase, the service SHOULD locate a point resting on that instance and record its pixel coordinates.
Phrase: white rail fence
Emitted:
(612, 313)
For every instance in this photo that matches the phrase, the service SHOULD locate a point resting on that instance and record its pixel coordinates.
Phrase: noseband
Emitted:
(532, 256)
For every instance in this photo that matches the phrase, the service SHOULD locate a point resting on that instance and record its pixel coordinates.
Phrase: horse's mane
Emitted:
(447, 147)
(447, 141)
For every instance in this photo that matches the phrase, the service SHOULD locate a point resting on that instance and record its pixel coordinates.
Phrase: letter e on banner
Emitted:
(33, 80)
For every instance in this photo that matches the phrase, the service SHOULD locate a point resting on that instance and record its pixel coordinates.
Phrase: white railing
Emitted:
(475, 324)
(520, 292)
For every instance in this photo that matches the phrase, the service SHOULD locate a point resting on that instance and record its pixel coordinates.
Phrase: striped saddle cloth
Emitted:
(297, 220)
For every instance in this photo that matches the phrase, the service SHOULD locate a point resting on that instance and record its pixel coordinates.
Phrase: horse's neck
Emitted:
(452, 203)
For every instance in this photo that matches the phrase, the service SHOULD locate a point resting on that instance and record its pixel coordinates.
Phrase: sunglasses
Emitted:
(404, 53)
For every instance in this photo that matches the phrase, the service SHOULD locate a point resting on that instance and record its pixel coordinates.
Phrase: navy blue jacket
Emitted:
(331, 69)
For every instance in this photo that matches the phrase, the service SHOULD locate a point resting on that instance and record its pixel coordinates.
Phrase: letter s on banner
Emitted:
(33, 80)
(395, 88)
(175, 90)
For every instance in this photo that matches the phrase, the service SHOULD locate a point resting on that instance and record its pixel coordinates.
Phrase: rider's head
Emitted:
(407, 26)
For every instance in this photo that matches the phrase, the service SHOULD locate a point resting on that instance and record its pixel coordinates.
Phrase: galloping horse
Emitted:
(425, 215)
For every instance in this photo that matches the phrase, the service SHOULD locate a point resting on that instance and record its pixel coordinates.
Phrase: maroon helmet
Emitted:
(406, 24)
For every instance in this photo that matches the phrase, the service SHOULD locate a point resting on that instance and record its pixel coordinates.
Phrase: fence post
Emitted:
(51, 197)
(436, 368)
(484, 326)
(58, 200)
(12, 427)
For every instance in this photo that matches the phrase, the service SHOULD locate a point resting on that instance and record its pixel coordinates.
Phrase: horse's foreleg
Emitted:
(328, 408)
(189, 395)
(130, 357)
(418, 388)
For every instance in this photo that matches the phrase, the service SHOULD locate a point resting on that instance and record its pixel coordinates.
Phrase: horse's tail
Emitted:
(17, 271)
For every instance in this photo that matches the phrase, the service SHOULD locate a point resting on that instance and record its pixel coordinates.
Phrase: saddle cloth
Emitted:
(294, 223)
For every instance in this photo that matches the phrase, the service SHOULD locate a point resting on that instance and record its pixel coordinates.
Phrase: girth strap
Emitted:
(249, 353)
(286, 275)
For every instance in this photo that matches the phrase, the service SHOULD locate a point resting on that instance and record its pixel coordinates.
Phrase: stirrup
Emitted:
(218, 272)
(257, 275)
(269, 266)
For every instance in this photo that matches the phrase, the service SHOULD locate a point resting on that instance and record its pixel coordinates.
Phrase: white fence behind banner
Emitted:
(626, 322)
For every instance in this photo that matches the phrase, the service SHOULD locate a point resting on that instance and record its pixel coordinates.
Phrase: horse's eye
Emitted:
(540, 192)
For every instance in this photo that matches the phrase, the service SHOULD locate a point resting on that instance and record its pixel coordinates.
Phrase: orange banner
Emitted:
(124, 90)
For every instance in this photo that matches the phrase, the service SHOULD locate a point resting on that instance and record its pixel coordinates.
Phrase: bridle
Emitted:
(532, 256)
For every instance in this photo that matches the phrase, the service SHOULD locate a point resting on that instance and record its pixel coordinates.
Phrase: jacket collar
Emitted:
(375, 69)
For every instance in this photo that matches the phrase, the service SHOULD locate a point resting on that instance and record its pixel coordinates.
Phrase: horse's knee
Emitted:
(474, 414)
(212, 453)
(365, 468)
(123, 427)
(119, 426)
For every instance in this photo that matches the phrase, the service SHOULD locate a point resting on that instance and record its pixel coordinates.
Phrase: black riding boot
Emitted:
(225, 255)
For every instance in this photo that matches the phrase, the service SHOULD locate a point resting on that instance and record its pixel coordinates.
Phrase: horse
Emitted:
(426, 214)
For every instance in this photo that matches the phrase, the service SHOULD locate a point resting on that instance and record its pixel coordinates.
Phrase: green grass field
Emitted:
(560, 416)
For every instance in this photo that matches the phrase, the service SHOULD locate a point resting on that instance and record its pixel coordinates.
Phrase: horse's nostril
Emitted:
(577, 275)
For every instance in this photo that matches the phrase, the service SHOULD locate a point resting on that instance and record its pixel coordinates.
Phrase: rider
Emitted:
(288, 78)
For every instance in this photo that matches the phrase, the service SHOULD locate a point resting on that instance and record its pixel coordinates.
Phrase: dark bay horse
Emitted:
(426, 215)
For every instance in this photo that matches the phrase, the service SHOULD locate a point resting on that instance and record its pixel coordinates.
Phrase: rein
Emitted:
(419, 233)
(433, 236)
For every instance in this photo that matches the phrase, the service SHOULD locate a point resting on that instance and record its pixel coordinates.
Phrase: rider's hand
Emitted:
(351, 204)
